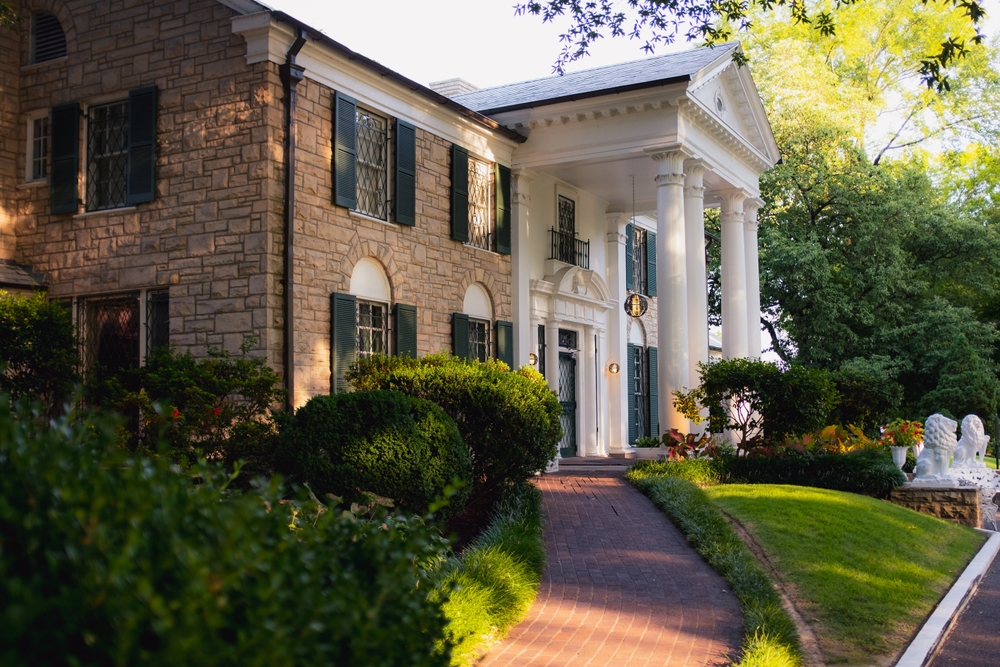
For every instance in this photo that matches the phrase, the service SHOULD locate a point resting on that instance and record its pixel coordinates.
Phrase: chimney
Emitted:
(452, 87)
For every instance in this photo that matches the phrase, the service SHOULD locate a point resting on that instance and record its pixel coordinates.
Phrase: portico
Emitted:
(637, 152)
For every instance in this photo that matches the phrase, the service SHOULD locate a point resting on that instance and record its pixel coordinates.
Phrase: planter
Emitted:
(899, 456)
(650, 453)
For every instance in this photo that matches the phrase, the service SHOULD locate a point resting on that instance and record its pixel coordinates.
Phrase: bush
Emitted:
(509, 419)
(490, 588)
(109, 560)
(868, 472)
(37, 349)
(382, 442)
(219, 407)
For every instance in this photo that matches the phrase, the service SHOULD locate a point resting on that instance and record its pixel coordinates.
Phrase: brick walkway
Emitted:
(621, 587)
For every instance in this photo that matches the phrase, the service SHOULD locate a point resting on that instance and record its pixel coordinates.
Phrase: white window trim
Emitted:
(29, 156)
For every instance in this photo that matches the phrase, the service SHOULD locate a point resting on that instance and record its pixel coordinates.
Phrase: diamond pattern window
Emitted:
(481, 233)
(107, 155)
(109, 328)
(372, 164)
(38, 149)
(638, 260)
(373, 328)
(479, 339)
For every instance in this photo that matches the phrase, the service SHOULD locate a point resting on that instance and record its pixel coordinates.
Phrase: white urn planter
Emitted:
(649, 453)
(899, 456)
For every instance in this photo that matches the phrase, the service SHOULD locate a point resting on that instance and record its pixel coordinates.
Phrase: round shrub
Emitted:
(381, 442)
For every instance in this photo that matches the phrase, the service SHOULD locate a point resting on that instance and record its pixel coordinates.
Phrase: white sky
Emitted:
(481, 41)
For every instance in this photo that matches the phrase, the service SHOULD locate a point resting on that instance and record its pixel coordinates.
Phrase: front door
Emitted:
(567, 398)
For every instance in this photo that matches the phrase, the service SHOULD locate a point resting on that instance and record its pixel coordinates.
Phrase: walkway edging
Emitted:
(931, 636)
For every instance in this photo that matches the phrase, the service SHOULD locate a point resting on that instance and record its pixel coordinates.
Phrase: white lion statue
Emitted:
(939, 444)
(971, 449)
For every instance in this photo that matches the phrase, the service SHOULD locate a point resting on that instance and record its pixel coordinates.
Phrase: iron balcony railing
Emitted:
(567, 248)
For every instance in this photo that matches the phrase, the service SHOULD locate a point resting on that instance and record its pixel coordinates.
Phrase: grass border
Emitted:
(490, 587)
(770, 639)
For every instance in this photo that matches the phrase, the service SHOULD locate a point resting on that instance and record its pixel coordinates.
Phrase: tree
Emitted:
(10, 19)
(658, 22)
(967, 384)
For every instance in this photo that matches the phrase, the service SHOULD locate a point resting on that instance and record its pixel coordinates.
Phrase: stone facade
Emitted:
(957, 504)
(213, 234)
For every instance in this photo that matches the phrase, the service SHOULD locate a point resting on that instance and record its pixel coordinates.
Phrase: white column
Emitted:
(671, 286)
(750, 208)
(604, 395)
(587, 401)
(552, 354)
(734, 277)
(615, 351)
(519, 265)
(697, 285)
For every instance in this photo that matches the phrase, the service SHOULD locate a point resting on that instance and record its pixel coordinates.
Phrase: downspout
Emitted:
(291, 75)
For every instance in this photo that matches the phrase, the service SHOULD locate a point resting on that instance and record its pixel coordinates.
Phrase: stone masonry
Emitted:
(958, 504)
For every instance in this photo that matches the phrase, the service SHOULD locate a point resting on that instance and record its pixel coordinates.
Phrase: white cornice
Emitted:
(692, 110)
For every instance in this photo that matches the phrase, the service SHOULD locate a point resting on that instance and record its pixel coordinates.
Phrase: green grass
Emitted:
(864, 572)
(491, 586)
(771, 639)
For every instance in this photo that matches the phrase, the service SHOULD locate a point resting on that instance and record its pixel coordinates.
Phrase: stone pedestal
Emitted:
(960, 504)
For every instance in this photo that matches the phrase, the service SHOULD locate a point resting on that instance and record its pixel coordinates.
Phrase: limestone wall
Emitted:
(959, 504)
(213, 233)
(10, 132)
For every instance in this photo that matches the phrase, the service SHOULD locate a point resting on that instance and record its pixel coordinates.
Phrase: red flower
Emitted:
(177, 413)
(217, 411)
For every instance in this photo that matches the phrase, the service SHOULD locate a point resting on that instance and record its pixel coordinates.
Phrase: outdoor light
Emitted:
(533, 359)
(614, 368)
(635, 305)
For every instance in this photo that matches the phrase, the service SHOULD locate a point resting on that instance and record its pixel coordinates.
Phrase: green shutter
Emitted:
(459, 193)
(629, 267)
(406, 330)
(141, 145)
(343, 339)
(503, 209)
(654, 393)
(650, 264)
(405, 203)
(505, 342)
(633, 431)
(460, 335)
(63, 192)
(345, 139)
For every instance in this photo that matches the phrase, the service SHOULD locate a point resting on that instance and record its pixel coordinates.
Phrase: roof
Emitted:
(17, 277)
(634, 75)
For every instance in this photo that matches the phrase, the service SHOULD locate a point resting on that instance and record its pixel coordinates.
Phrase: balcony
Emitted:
(569, 249)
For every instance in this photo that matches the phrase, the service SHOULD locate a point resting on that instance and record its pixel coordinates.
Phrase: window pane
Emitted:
(480, 220)
(371, 164)
(40, 148)
(373, 328)
(110, 327)
(107, 155)
(157, 320)
(640, 390)
(639, 259)
(479, 339)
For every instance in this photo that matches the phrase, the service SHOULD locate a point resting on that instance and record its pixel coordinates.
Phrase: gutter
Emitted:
(401, 80)
(291, 75)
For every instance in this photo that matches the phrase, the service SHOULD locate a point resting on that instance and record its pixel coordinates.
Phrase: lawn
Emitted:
(863, 572)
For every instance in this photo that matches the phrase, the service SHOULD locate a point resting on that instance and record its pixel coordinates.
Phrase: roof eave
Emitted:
(401, 80)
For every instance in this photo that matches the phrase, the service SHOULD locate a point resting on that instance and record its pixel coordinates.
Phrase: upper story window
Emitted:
(567, 216)
(639, 260)
(565, 246)
(480, 205)
(37, 162)
(107, 155)
(48, 41)
(372, 164)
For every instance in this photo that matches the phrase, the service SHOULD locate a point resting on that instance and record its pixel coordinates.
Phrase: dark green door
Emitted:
(567, 398)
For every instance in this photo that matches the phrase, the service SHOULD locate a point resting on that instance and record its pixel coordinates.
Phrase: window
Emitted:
(48, 41)
(373, 328)
(565, 247)
(110, 332)
(643, 393)
(157, 319)
(39, 132)
(372, 164)
(480, 205)
(107, 155)
(638, 259)
(479, 339)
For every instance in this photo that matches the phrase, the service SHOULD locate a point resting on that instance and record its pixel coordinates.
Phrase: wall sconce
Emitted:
(533, 359)
(636, 305)
(614, 368)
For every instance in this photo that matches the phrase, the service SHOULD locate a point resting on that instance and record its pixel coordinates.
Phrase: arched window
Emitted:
(48, 41)
(370, 287)
(479, 309)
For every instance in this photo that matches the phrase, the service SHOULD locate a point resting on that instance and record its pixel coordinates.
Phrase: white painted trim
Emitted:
(29, 157)
(104, 211)
(934, 631)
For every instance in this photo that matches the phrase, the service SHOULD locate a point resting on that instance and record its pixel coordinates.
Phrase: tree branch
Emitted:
(775, 342)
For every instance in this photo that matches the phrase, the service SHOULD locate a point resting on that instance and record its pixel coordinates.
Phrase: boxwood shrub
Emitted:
(110, 560)
(509, 419)
(382, 442)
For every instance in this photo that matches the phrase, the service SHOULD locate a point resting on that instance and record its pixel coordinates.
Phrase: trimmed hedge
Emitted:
(109, 560)
(490, 587)
(381, 442)
(509, 419)
(770, 636)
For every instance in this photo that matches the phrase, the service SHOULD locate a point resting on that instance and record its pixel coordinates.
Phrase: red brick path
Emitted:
(621, 587)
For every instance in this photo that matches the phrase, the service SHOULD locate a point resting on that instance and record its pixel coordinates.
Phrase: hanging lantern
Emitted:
(636, 305)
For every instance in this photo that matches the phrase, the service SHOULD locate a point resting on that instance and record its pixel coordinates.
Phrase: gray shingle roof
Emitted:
(658, 70)
(12, 275)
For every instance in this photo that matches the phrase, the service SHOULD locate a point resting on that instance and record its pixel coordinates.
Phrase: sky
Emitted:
(481, 41)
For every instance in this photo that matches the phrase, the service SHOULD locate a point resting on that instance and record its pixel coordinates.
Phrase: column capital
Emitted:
(750, 208)
(520, 181)
(732, 204)
(669, 158)
(696, 167)
(669, 179)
